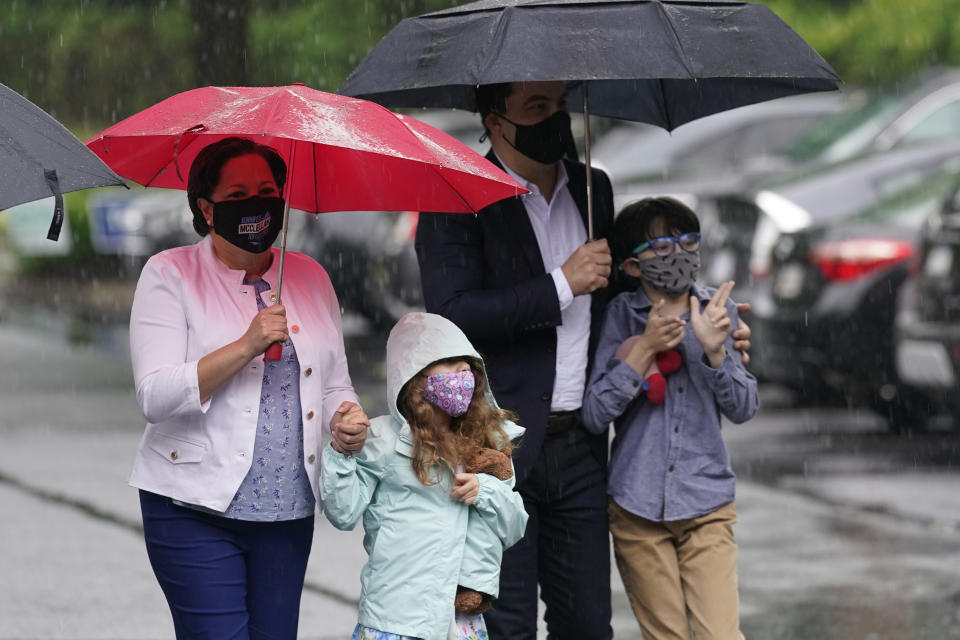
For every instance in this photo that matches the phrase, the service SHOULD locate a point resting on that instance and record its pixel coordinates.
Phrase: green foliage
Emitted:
(877, 41)
(318, 42)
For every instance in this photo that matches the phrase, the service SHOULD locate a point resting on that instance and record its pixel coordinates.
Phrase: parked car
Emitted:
(823, 321)
(711, 155)
(927, 335)
(744, 223)
(740, 245)
(926, 109)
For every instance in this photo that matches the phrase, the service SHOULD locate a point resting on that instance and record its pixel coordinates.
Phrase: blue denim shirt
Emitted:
(668, 461)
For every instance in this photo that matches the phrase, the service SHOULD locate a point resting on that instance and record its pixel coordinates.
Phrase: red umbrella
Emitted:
(342, 154)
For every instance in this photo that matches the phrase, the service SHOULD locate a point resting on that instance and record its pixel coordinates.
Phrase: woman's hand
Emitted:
(349, 428)
(712, 326)
(267, 327)
(466, 487)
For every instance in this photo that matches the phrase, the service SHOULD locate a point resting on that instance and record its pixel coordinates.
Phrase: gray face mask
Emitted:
(671, 275)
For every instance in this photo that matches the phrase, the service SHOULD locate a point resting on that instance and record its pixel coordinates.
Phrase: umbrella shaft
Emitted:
(283, 247)
(586, 147)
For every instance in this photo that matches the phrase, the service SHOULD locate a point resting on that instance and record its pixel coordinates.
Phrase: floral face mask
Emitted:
(450, 392)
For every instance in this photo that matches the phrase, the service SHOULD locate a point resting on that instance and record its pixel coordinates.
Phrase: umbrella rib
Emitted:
(684, 59)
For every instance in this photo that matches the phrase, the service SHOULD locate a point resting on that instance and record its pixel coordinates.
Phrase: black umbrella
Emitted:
(39, 158)
(665, 62)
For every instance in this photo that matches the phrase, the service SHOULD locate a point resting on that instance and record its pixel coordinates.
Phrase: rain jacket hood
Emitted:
(417, 341)
(421, 543)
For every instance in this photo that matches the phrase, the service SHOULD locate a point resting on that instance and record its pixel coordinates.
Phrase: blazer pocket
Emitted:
(176, 450)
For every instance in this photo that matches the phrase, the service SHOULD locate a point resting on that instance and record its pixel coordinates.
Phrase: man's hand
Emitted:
(741, 335)
(588, 268)
(349, 427)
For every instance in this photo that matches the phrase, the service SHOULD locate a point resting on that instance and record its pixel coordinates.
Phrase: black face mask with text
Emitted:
(546, 141)
(251, 224)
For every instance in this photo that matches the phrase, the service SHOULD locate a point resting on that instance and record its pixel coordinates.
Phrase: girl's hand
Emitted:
(712, 326)
(662, 332)
(466, 487)
(349, 428)
(267, 327)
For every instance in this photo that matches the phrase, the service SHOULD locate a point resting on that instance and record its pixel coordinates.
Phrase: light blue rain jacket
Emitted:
(416, 535)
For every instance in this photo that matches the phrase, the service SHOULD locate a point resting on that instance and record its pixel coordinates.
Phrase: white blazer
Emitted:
(187, 304)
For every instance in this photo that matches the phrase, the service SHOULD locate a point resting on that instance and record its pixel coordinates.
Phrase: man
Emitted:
(528, 288)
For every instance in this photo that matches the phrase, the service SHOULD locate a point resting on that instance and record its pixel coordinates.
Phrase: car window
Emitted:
(733, 149)
(909, 207)
(843, 134)
(940, 124)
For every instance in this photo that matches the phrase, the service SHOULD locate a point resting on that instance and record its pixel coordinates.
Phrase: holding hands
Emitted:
(349, 427)
(712, 325)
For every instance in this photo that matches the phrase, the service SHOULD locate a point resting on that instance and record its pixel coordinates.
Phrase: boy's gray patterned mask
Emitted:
(671, 275)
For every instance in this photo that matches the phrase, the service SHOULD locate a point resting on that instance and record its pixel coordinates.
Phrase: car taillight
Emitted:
(852, 259)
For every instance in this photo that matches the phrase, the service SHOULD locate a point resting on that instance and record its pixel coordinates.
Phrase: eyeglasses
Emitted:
(689, 242)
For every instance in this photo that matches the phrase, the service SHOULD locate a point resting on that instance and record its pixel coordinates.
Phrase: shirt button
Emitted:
(309, 415)
(676, 429)
(544, 396)
(680, 389)
(273, 297)
(671, 468)
(311, 458)
(174, 454)
(308, 372)
(295, 328)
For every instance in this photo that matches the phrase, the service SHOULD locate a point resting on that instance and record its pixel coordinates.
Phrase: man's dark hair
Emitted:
(635, 221)
(492, 98)
(207, 166)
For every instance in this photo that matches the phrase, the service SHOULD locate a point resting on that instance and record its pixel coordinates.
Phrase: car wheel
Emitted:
(907, 412)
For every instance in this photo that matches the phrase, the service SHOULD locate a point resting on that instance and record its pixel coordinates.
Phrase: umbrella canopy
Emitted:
(39, 158)
(343, 154)
(665, 62)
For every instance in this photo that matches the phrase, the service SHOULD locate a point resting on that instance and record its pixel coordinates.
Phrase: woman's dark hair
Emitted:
(635, 222)
(207, 166)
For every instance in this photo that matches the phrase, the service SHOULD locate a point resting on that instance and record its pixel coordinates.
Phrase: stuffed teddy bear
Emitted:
(497, 464)
(665, 363)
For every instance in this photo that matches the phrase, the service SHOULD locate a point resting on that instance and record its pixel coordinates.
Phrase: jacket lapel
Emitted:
(513, 216)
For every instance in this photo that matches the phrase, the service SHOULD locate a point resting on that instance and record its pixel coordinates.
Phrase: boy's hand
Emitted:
(712, 326)
(662, 332)
(466, 487)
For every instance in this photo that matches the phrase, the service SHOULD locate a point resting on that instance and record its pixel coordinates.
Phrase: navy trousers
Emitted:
(225, 578)
(566, 549)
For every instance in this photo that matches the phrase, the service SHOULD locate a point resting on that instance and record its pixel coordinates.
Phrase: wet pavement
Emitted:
(845, 531)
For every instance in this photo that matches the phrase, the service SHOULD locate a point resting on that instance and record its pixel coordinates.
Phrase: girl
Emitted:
(423, 518)
(670, 482)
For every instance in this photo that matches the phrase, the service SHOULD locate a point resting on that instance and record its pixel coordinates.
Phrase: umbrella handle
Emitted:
(273, 351)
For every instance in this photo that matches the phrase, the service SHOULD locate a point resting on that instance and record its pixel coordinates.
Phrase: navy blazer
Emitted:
(485, 273)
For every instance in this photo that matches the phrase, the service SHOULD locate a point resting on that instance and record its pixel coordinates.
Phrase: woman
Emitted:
(228, 467)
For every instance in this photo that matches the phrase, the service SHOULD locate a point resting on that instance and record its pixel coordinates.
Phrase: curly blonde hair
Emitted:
(480, 426)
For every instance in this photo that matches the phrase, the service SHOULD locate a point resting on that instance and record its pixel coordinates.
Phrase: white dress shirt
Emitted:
(188, 304)
(559, 229)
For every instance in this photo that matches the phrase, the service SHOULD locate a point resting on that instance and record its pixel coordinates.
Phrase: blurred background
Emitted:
(838, 216)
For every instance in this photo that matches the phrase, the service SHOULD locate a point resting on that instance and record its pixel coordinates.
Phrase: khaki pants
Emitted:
(680, 574)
